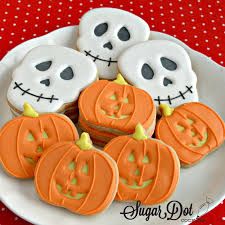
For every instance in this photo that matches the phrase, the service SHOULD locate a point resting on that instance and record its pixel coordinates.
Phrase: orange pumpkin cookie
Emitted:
(149, 169)
(76, 176)
(192, 129)
(23, 139)
(113, 108)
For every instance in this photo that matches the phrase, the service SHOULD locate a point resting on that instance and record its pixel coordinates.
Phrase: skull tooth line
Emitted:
(109, 61)
(169, 99)
(39, 97)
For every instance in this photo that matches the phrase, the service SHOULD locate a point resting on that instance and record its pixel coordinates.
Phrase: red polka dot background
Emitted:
(198, 23)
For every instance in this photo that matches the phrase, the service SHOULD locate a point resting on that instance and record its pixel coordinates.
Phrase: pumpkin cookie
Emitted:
(25, 138)
(193, 130)
(149, 169)
(76, 176)
(111, 108)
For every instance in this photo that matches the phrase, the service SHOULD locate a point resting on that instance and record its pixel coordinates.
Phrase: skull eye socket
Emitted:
(147, 72)
(67, 74)
(44, 66)
(123, 34)
(168, 64)
(101, 29)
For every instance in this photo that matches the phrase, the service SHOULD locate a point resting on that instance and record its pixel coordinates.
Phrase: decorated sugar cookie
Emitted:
(105, 32)
(193, 130)
(148, 169)
(50, 78)
(163, 69)
(115, 107)
(25, 138)
(76, 176)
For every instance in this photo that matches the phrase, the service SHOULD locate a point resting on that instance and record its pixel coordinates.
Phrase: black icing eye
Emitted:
(168, 64)
(101, 29)
(44, 66)
(123, 34)
(147, 72)
(67, 74)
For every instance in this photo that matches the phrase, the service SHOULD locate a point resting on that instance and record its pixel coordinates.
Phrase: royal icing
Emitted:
(148, 169)
(192, 129)
(49, 77)
(163, 69)
(105, 32)
(111, 105)
(75, 176)
(29, 136)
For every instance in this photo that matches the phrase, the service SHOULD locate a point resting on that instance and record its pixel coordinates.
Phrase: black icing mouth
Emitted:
(180, 95)
(39, 97)
(109, 61)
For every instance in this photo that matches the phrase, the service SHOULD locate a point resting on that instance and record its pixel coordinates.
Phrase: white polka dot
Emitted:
(8, 4)
(184, 31)
(191, 12)
(141, 6)
(3, 209)
(194, 27)
(221, 62)
(0, 37)
(47, 21)
(175, 35)
(172, 19)
(203, 24)
(204, 31)
(141, 13)
(221, 16)
(195, 36)
(161, 14)
(183, 23)
(22, 38)
(200, 9)
(209, 6)
(153, 25)
(34, 35)
(185, 39)
(16, 218)
(27, 13)
(69, 15)
(46, 31)
(48, 14)
(69, 22)
(39, 2)
(58, 18)
(57, 26)
(202, 15)
(192, 20)
(163, 22)
(10, 42)
(223, 218)
(4, 20)
(16, 17)
(24, 30)
(2, 29)
(131, 2)
(217, 45)
(197, 44)
(150, 3)
(208, 48)
(29, 5)
(17, 8)
(59, 10)
(38, 9)
(170, 4)
(173, 27)
(14, 24)
(36, 25)
(37, 17)
(210, 13)
(6, 13)
(152, 18)
(151, 10)
(60, 3)
(220, 54)
(121, 6)
(181, 8)
(164, 30)
(161, 7)
(216, 37)
(182, 15)
(190, 5)
(81, 4)
(80, 11)
(214, 28)
(25, 21)
(49, 6)
(171, 11)
(112, 2)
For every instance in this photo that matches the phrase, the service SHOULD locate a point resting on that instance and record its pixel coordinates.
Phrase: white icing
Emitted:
(116, 19)
(64, 91)
(130, 64)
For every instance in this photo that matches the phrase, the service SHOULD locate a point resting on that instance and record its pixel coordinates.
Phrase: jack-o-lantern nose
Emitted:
(108, 45)
(46, 82)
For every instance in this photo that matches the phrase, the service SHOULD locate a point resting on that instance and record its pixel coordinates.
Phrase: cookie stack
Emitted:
(125, 89)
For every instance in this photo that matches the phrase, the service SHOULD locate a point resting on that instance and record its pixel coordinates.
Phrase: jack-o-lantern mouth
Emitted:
(135, 184)
(27, 91)
(69, 194)
(169, 100)
(201, 142)
(97, 57)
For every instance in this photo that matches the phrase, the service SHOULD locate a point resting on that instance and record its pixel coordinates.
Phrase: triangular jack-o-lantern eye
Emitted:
(131, 157)
(30, 137)
(146, 159)
(72, 165)
(85, 169)
(44, 135)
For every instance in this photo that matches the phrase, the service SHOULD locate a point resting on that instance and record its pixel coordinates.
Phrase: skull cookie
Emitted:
(50, 78)
(163, 69)
(105, 32)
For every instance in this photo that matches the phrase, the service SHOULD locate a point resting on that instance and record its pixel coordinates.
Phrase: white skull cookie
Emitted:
(105, 32)
(49, 77)
(163, 69)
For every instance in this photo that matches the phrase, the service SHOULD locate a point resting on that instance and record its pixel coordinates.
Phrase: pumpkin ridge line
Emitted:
(132, 115)
(92, 184)
(142, 171)
(17, 148)
(57, 132)
(215, 114)
(54, 171)
(97, 100)
(157, 173)
(41, 128)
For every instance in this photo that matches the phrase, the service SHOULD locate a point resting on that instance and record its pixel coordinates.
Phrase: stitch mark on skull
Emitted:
(169, 99)
(109, 61)
(39, 97)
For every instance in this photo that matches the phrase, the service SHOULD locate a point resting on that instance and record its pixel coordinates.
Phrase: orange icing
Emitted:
(148, 169)
(193, 130)
(83, 191)
(111, 105)
(23, 140)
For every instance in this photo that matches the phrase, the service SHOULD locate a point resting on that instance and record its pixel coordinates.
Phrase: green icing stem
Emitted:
(135, 185)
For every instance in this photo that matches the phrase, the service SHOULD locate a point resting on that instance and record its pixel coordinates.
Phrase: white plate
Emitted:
(203, 180)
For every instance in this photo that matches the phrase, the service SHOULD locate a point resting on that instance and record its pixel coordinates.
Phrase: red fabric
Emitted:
(198, 23)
